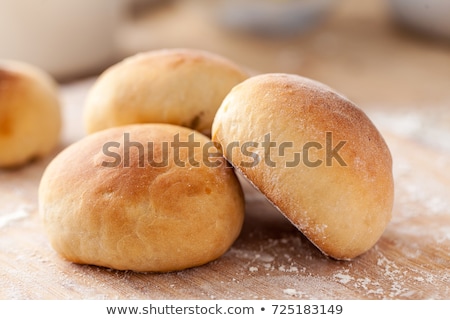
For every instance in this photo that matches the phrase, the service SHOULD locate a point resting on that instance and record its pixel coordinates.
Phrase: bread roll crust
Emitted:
(177, 86)
(30, 117)
(141, 218)
(342, 202)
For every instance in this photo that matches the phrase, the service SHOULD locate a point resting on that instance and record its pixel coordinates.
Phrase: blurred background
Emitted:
(377, 52)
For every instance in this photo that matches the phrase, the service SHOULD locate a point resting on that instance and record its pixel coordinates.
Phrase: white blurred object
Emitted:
(430, 16)
(273, 17)
(66, 38)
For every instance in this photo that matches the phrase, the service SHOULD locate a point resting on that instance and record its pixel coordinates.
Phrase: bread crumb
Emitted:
(264, 257)
(290, 292)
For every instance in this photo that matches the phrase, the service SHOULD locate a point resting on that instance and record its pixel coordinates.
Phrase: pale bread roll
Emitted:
(141, 214)
(30, 115)
(178, 86)
(340, 195)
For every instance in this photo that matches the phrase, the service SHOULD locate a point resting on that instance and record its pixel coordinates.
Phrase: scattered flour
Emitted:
(343, 277)
(396, 277)
(21, 212)
(429, 128)
(283, 268)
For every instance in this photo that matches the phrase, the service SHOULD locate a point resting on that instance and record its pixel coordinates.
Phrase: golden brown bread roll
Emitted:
(314, 155)
(30, 119)
(141, 197)
(178, 86)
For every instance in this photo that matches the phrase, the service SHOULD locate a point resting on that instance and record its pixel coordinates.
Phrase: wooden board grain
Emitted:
(270, 259)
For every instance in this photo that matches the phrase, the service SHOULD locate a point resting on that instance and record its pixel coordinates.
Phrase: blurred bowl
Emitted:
(68, 38)
(428, 16)
(273, 17)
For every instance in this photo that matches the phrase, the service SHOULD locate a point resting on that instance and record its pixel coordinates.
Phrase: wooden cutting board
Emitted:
(270, 259)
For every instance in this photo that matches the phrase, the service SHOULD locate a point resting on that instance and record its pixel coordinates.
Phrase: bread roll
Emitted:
(142, 197)
(177, 86)
(314, 155)
(30, 119)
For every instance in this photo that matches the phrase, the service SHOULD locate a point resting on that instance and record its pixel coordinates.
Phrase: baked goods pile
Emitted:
(151, 188)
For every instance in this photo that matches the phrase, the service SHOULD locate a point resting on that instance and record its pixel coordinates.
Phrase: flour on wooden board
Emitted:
(11, 215)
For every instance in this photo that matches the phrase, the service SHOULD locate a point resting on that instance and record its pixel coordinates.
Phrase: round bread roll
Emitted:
(177, 86)
(144, 197)
(30, 119)
(314, 155)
